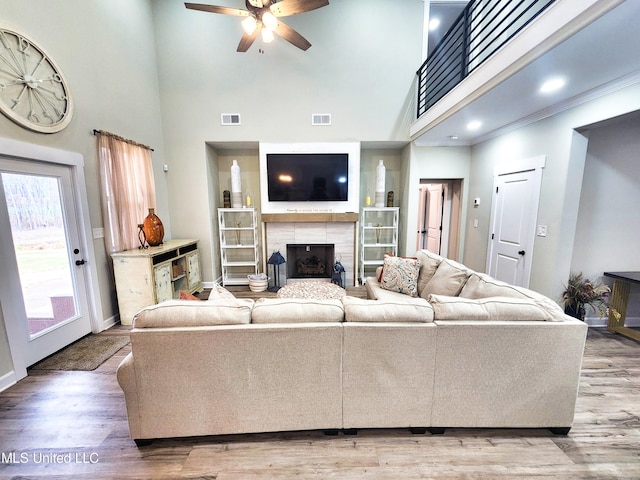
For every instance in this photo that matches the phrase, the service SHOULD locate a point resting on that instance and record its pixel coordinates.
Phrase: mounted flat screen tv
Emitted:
(308, 177)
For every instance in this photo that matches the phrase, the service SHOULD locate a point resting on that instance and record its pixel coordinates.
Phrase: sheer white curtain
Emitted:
(128, 189)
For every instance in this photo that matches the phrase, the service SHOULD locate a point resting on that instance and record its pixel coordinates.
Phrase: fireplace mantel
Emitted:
(309, 217)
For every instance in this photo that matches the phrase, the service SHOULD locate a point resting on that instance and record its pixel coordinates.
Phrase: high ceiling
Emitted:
(599, 58)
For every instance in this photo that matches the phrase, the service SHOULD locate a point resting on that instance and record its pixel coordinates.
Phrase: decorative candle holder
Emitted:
(142, 238)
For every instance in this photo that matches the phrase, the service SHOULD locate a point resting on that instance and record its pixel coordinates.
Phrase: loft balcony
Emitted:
(492, 60)
(480, 30)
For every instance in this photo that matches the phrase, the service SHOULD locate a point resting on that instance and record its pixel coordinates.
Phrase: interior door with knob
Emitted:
(514, 215)
(44, 268)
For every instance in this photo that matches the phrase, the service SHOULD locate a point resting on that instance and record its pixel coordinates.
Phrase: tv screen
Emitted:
(307, 177)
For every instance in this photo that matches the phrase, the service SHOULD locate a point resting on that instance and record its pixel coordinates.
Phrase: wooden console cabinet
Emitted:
(148, 276)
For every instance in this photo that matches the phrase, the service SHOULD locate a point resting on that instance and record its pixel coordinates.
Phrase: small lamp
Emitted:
(277, 277)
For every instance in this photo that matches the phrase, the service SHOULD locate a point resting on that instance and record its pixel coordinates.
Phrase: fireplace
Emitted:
(314, 228)
(310, 260)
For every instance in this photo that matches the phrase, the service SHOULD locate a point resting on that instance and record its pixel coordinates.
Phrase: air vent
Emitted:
(230, 119)
(321, 119)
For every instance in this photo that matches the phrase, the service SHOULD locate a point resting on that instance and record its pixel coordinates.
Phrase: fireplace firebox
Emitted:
(310, 260)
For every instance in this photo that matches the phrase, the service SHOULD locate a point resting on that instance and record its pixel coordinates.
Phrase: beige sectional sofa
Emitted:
(460, 350)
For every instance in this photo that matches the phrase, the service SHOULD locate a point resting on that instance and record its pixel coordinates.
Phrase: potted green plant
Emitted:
(581, 292)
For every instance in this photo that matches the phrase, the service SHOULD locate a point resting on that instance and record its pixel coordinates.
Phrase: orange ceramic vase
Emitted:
(153, 229)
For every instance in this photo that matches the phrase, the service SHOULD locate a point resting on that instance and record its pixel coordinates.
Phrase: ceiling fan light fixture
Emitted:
(267, 35)
(249, 24)
(269, 21)
(264, 16)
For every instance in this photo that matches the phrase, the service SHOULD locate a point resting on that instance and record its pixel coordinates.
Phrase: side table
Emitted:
(622, 282)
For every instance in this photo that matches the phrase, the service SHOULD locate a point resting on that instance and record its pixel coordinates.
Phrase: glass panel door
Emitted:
(41, 246)
(47, 269)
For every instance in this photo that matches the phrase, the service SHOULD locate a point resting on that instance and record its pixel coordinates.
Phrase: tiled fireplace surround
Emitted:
(339, 229)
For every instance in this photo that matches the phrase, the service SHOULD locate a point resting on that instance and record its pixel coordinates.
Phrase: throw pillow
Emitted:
(379, 270)
(184, 295)
(218, 292)
(449, 279)
(400, 275)
(429, 262)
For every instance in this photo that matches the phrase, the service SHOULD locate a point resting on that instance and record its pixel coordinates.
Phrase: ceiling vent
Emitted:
(230, 119)
(321, 119)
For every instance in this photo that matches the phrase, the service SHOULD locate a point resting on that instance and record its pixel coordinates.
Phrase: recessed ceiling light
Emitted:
(434, 23)
(552, 85)
(474, 125)
(454, 137)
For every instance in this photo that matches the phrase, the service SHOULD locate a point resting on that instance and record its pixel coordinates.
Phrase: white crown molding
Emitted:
(585, 97)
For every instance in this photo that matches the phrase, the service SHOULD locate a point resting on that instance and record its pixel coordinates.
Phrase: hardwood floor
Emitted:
(72, 425)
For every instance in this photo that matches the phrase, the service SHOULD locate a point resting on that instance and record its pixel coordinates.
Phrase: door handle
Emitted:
(521, 252)
(80, 262)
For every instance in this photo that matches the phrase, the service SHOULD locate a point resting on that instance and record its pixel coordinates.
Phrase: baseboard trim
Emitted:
(602, 322)
(7, 380)
(110, 322)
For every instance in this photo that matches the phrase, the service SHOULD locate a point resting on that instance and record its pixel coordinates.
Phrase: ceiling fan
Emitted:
(262, 17)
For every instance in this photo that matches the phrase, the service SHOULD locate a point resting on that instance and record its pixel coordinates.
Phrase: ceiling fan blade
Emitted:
(247, 39)
(214, 9)
(293, 7)
(291, 36)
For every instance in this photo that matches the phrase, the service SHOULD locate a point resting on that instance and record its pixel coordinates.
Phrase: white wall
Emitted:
(442, 163)
(392, 160)
(361, 69)
(249, 162)
(106, 50)
(565, 152)
(608, 226)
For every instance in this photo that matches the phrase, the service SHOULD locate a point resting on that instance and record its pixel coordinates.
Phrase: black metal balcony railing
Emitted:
(481, 29)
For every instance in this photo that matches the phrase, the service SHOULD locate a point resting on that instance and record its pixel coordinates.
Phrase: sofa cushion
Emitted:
(400, 274)
(296, 310)
(186, 313)
(481, 285)
(449, 279)
(489, 308)
(376, 292)
(404, 310)
(429, 262)
(218, 292)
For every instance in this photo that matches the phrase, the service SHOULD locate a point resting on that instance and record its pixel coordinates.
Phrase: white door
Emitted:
(514, 214)
(435, 216)
(421, 239)
(41, 258)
